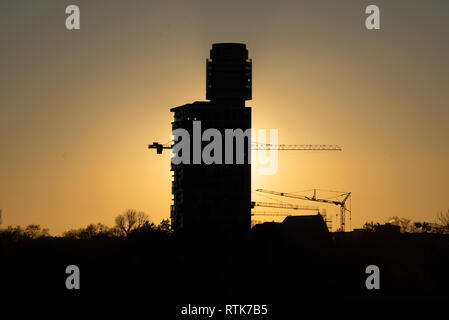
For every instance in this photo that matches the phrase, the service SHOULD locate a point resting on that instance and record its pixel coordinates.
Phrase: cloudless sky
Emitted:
(78, 108)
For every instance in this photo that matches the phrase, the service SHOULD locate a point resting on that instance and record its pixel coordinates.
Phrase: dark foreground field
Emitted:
(263, 265)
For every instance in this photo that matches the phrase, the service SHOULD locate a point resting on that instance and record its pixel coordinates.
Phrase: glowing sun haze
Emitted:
(78, 108)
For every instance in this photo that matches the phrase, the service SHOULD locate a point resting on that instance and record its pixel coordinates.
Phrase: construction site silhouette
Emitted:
(212, 253)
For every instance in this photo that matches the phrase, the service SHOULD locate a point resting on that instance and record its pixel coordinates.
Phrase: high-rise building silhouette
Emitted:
(216, 197)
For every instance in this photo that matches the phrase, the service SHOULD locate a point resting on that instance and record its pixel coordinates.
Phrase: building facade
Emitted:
(216, 197)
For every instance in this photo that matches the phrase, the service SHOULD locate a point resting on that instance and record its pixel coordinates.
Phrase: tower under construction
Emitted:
(216, 197)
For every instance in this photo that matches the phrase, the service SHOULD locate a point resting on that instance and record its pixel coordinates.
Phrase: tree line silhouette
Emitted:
(132, 222)
(441, 226)
(126, 224)
(136, 256)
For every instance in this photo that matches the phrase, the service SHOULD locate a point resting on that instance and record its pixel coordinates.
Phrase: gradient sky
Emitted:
(78, 108)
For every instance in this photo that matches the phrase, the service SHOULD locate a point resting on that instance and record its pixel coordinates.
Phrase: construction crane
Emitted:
(265, 146)
(341, 203)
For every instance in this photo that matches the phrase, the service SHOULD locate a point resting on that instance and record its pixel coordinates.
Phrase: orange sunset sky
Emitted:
(78, 108)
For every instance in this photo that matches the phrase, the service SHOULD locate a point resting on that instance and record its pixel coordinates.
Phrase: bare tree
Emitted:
(34, 231)
(92, 230)
(443, 218)
(443, 221)
(130, 220)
